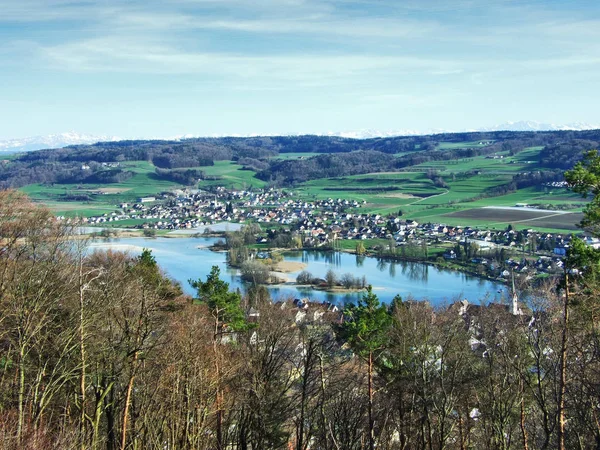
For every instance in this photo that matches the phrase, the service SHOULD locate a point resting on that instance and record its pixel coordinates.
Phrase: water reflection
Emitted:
(185, 259)
(360, 260)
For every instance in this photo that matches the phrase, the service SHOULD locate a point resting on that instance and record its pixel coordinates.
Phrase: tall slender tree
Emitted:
(228, 318)
(365, 328)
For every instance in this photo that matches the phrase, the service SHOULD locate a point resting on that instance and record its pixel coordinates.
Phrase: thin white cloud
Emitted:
(130, 55)
(411, 100)
(357, 28)
(316, 24)
(25, 11)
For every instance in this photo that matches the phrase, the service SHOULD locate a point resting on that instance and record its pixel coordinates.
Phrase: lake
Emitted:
(189, 258)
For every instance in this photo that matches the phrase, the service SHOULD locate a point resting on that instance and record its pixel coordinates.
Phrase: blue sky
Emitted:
(148, 68)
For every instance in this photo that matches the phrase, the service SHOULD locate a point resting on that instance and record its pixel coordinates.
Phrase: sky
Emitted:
(150, 68)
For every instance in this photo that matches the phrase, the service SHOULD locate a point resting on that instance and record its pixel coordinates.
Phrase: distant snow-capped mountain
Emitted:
(73, 138)
(528, 125)
(507, 126)
(51, 141)
(369, 133)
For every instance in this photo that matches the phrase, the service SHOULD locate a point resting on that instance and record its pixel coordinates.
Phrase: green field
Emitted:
(525, 160)
(524, 217)
(454, 145)
(383, 192)
(230, 175)
(103, 198)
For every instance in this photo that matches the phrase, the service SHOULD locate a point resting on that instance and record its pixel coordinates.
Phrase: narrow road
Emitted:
(427, 198)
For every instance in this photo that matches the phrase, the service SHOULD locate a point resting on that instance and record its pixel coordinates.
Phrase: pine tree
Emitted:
(366, 331)
(226, 310)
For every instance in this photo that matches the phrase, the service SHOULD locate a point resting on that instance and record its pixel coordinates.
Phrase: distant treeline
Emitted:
(338, 156)
(525, 180)
(564, 155)
(288, 172)
(187, 177)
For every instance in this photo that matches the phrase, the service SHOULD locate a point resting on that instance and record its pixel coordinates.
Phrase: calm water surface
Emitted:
(189, 258)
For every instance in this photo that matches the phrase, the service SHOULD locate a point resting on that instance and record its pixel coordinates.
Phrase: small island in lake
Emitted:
(332, 282)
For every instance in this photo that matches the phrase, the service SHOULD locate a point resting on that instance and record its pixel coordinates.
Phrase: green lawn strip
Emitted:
(10, 155)
(479, 163)
(77, 209)
(420, 214)
(529, 155)
(350, 244)
(454, 145)
(138, 166)
(530, 195)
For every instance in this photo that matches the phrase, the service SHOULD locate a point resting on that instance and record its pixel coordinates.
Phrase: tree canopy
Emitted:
(224, 305)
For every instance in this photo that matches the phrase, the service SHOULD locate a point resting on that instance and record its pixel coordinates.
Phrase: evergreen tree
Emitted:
(226, 310)
(366, 331)
(225, 306)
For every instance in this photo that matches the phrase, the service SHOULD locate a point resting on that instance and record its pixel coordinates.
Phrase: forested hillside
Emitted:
(102, 351)
(324, 155)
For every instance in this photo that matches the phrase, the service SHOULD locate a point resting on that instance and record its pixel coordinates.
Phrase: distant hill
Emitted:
(72, 138)
(326, 156)
(51, 141)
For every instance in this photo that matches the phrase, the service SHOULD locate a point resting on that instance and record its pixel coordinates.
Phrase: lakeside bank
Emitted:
(183, 260)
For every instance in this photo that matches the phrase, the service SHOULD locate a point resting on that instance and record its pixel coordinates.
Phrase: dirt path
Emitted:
(427, 198)
(530, 220)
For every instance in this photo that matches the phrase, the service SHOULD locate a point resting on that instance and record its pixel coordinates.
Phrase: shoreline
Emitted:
(137, 233)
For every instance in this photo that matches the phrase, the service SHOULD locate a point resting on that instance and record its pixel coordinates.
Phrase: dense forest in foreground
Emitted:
(99, 163)
(102, 351)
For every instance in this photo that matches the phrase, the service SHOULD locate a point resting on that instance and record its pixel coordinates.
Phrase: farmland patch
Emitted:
(531, 217)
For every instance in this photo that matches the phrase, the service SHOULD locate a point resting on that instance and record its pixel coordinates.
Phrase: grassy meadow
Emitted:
(230, 175)
(102, 198)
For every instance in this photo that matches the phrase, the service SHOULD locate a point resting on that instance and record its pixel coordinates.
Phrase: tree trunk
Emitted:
(219, 421)
(100, 396)
(110, 421)
(307, 370)
(128, 403)
(21, 394)
(522, 421)
(563, 367)
(371, 421)
(82, 387)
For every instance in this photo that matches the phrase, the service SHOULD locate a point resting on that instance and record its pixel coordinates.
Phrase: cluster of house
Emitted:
(557, 184)
(104, 164)
(332, 225)
(191, 209)
(307, 311)
(319, 222)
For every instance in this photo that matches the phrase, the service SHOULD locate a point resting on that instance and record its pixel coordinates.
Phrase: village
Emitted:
(323, 224)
